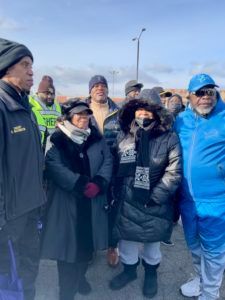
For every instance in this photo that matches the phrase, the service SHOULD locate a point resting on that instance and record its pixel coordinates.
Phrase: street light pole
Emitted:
(113, 72)
(138, 48)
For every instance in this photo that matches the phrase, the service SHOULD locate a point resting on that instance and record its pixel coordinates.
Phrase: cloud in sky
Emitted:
(9, 24)
(74, 81)
(161, 68)
(74, 40)
(213, 67)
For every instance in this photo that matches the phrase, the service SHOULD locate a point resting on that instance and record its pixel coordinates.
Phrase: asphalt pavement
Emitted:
(174, 270)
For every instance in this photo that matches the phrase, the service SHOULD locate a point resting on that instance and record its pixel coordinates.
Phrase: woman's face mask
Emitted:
(174, 104)
(144, 122)
(143, 117)
(175, 107)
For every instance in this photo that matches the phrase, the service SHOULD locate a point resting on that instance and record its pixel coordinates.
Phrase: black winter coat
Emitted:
(21, 157)
(75, 224)
(151, 223)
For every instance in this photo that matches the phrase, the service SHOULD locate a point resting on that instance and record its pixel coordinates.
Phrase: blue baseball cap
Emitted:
(199, 81)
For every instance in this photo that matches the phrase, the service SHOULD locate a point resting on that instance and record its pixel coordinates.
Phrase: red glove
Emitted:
(91, 190)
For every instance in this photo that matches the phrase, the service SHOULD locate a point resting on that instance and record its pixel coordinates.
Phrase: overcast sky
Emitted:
(72, 40)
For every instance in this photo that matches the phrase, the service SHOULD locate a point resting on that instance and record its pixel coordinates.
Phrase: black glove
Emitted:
(101, 182)
(81, 184)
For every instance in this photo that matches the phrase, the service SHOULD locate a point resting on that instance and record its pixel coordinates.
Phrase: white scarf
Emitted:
(76, 134)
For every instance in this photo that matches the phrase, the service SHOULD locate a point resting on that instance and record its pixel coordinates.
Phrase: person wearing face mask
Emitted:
(148, 174)
(79, 169)
(175, 104)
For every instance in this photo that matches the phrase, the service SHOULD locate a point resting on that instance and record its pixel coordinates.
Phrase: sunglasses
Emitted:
(205, 92)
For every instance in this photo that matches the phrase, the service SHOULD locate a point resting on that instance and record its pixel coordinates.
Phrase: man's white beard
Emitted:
(205, 110)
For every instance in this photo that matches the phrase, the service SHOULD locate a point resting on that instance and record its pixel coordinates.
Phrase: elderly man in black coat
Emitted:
(21, 165)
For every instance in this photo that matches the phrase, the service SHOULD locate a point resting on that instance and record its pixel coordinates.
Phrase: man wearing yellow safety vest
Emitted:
(45, 108)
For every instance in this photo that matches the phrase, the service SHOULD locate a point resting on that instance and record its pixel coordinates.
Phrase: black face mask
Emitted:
(175, 107)
(144, 122)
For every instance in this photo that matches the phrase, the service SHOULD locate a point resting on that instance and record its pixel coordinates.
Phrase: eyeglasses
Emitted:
(205, 92)
(48, 93)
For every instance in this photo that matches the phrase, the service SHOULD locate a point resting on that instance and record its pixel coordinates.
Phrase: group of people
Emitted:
(109, 178)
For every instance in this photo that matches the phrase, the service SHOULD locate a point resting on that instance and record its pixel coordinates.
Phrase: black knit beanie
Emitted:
(10, 53)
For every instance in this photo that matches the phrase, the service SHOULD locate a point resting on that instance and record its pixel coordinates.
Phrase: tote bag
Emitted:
(11, 287)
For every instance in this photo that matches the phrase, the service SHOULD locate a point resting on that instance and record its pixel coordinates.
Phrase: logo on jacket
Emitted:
(18, 129)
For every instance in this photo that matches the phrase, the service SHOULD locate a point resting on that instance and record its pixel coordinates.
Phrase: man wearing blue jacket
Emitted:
(201, 128)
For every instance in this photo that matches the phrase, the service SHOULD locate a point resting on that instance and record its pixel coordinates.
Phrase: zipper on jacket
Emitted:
(114, 121)
(190, 157)
(110, 115)
(37, 141)
(14, 198)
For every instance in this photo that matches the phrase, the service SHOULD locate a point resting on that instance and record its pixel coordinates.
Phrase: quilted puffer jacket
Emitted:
(152, 222)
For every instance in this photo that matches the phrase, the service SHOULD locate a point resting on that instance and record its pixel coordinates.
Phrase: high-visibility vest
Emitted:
(48, 113)
(41, 125)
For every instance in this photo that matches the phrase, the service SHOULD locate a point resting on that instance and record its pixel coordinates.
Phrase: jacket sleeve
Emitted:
(2, 202)
(104, 174)
(57, 171)
(168, 184)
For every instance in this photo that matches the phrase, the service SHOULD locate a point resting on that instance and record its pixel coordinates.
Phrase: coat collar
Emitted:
(11, 98)
(112, 106)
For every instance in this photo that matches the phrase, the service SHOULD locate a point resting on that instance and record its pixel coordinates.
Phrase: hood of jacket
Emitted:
(162, 115)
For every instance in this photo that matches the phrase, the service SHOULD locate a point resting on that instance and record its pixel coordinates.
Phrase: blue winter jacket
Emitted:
(203, 146)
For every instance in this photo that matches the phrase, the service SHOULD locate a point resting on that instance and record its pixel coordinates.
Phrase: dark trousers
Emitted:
(26, 244)
(70, 274)
(112, 214)
(111, 222)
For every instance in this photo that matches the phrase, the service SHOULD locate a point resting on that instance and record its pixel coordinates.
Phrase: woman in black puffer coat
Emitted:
(148, 174)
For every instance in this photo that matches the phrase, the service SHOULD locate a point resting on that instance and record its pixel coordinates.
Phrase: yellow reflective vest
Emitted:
(42, 126)
(48, 113)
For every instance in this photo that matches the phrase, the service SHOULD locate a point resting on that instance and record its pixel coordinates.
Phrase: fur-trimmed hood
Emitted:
(127, 114)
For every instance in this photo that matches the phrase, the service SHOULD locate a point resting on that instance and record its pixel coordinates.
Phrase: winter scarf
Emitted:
(134, 159)
(76, 134)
